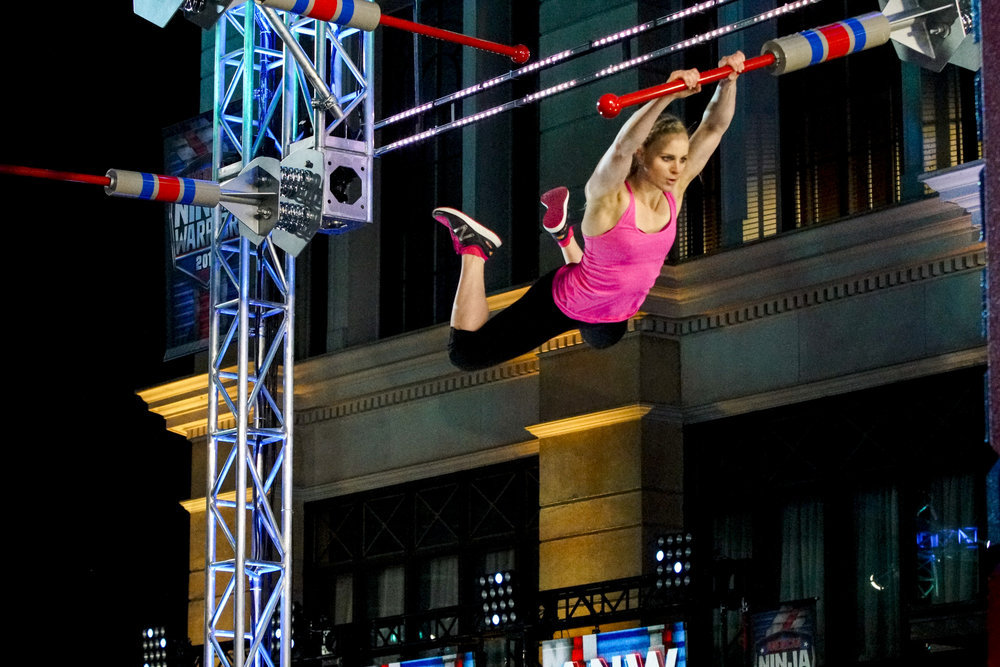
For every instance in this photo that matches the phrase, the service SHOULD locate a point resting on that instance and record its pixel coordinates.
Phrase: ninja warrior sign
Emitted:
(785, 637)
(187, 150)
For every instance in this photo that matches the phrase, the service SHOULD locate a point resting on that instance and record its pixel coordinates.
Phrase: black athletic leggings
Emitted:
(523, 326)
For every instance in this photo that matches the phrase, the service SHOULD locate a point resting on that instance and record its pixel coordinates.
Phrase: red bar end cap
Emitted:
(608, 105)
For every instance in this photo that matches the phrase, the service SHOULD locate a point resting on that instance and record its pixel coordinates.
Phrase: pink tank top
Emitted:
(618, 269)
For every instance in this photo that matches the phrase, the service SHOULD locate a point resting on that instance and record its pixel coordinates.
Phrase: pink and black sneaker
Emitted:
(467, 235)
(554, 221)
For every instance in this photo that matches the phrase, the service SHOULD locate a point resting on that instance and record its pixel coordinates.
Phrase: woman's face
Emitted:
(664, 160)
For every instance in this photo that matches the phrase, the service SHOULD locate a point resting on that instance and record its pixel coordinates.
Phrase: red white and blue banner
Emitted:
(653, 646)
(460, 660)
(785, 637)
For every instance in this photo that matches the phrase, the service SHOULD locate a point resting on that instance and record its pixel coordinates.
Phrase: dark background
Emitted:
(98, 545)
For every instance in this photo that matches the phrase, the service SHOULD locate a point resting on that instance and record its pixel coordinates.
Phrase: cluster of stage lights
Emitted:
(275, 631)
(305, 187)
(154, 647)
(673, 561)
(497, 593)
(552, 90)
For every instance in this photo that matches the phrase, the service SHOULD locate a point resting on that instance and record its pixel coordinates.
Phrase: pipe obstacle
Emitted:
(52, 174)
(518, 53)
(135, 184)
(286, 196)
(741, 24)
(556, 58)
(791, 53)
(253, 196)
(360, 14)
(366, 15)
(611, 105)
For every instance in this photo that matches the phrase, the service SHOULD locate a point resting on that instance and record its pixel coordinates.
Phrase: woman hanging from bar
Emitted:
(629, 225)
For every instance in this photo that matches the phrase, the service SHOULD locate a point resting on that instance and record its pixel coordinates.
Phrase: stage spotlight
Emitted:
(498, 600)
(674, 563)
(274, 634)
(154, 647)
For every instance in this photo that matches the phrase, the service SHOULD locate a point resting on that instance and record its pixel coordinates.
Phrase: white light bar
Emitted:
(552, 90)
(607, 71)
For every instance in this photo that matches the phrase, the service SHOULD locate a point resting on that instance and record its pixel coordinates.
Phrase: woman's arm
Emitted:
(614, 165)
(714, 123)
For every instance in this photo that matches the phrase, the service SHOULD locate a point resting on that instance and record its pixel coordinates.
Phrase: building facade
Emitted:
(802, 392)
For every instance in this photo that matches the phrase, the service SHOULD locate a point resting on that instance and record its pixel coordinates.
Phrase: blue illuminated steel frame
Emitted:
(259, 91)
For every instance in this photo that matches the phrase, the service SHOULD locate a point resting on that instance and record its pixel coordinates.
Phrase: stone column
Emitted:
(611, 458)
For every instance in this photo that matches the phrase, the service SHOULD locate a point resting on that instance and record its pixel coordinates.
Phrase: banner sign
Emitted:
(785, 636)
(187, 151)
(463, 660)
(654, 646)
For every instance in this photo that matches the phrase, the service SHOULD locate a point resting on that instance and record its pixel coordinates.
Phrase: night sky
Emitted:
(99, 544)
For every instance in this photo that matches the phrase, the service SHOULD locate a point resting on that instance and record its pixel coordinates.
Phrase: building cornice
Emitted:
(902, 237)
(590, 421)
(960, 185)
(970, 258)
(519, 367)
(183, 404)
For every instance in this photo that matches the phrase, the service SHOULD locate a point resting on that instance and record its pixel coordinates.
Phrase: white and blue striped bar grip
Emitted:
(360, 14)
(811, 47)
(155, 187)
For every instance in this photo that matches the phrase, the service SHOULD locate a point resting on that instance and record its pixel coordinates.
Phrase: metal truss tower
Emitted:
(266, 90)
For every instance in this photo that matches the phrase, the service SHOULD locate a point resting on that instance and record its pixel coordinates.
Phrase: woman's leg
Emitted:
(517, 329)
(474, 243)
(555, 223)
(470, 310)
(572, 252)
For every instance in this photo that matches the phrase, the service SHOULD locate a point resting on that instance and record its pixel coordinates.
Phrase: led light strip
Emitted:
(552, 60)
(607, 71)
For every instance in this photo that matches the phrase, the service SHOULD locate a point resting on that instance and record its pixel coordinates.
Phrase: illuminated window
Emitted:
(947, 129)
(761, 181)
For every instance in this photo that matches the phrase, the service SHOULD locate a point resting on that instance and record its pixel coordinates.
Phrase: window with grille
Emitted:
(761, 181)
(948, 133)
(396, 570)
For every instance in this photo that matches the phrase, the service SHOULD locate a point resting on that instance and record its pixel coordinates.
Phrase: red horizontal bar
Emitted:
(610, 105)
(519, 54)
(54, 175)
